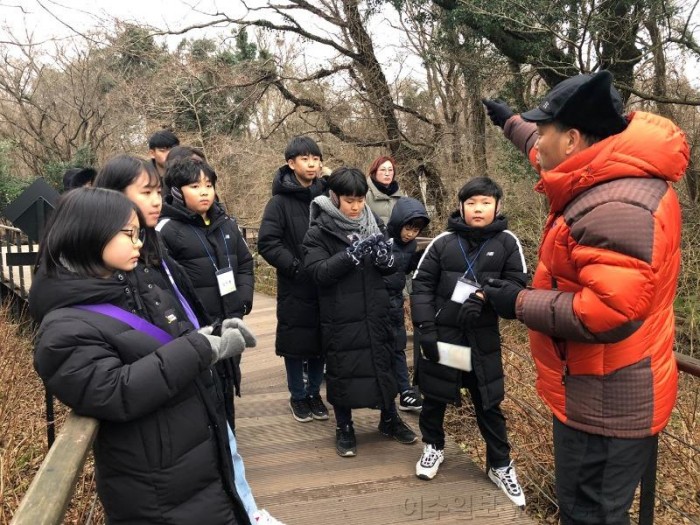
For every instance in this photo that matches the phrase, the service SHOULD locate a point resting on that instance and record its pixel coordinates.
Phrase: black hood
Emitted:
(284, 182)
(405, 210)
(68, 289)
(475, 236)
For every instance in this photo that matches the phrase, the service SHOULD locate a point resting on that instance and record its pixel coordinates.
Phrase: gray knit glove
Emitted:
(230, 344)
(236, 323)
(214, 340)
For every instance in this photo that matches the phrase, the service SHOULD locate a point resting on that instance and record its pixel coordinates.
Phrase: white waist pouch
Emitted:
(455, 356)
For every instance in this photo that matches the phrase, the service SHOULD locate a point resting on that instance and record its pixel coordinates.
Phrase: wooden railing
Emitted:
(49, 494)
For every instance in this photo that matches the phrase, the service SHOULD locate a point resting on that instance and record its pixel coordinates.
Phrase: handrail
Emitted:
(50, 492)
(10, 228)
(688, 364)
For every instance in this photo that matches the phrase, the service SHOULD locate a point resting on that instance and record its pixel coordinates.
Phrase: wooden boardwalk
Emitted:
(296, 474)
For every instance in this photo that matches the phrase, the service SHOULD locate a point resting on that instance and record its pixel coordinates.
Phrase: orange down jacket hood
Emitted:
(600, 315)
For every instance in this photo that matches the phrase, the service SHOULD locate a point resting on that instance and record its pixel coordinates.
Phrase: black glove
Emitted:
(502, 296)
(470, 310)
(360, 248)
(428, 344)
(498, 111)
(382, 256)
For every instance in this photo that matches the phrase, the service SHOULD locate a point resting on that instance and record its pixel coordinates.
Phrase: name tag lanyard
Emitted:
(470, 264)
(213, 261)
(224, 277)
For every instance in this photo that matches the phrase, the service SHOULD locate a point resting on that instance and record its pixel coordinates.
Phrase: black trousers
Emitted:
(596, 476)
(491, 422)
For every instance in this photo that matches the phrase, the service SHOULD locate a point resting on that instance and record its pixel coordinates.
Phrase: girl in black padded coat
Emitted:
(161, 452)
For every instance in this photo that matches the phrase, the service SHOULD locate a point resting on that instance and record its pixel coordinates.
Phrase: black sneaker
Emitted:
(301, 410)
(410, 401)
(318, 409)
(345, 443)
(397, 429)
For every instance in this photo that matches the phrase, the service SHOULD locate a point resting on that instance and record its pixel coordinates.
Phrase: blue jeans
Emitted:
(343, 415)
(242, 486)
(295, 377)
(400, 365)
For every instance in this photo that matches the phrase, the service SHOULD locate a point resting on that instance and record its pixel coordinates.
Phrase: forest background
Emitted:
(403, 77)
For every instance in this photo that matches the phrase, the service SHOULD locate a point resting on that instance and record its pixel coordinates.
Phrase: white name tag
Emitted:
(463, 289)
(227, 283)
(455, 356)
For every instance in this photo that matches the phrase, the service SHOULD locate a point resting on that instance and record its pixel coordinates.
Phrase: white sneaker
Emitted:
(506, 479)
(429, 462)
(262, 517)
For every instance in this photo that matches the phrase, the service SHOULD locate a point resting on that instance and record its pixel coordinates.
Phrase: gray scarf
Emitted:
(363, 226)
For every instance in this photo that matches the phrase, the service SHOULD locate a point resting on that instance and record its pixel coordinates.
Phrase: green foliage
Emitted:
(10, 185)
(134, 51)
(209, 100)
(53, 171)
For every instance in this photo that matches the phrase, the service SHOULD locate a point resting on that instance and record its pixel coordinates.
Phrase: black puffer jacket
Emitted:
(443, 263)
(405, 256)
(185, 236)
(155, 275)
(282, 230)
(357, 340)
(161, 452)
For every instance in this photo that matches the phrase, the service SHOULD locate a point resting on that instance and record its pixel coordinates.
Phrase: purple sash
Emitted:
(185, 305)
(133, 320)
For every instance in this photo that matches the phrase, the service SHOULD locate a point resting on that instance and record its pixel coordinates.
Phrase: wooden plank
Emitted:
(50, 492)
(296, 474)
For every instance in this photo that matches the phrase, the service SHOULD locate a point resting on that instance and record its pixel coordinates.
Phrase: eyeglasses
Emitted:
(135, 234)
(385, 170)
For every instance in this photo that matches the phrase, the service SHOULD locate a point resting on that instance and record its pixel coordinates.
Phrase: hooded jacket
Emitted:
(601, 313)
(354, 303)
(405, 257)
(161, 452)
(494, 253)
(284, 224)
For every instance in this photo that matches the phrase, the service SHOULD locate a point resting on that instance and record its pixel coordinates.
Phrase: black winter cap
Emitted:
(589, 103)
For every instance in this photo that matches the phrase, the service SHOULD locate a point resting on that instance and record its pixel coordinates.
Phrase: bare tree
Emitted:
(52, 107)
(340, 26)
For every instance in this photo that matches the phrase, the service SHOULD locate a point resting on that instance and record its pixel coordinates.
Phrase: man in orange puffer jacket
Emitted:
(600, 311)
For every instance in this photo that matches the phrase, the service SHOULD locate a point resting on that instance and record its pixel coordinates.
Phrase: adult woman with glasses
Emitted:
(113, 348)
(383, 188)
